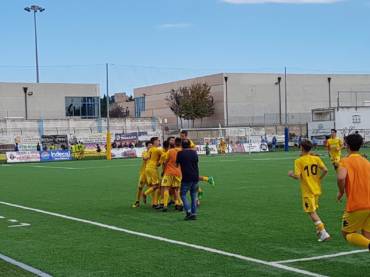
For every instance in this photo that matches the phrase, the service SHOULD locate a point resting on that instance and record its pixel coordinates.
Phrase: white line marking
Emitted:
(24, 266)
(20, 225)
(322, 257)
(13, 220)
(1, 217)
(176, 242)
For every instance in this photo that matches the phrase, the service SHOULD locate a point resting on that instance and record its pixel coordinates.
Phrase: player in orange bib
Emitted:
(353, 179)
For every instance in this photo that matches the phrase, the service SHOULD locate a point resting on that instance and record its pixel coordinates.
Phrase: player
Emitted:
(222, 146)
(151, 171)
(334, 146)
(142, 177)
(310, 170)
(353, 178)
(208, 179)
(171, 141)
(172, 177)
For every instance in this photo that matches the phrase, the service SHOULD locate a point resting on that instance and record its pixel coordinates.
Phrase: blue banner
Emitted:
(55, 155)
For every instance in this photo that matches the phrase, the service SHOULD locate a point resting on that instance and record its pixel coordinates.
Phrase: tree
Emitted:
(118, 112)
(191, 103)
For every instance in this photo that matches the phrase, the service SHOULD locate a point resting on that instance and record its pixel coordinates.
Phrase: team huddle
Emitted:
(353, 179)
(177, 170)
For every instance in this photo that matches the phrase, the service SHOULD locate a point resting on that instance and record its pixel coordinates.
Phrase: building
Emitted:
(124, 102)
(252, 99)
(49, 101)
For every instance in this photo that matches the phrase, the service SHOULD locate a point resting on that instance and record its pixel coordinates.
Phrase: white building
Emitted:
(49, 101)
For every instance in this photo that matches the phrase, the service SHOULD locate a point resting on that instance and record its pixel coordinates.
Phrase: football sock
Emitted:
(165, 198)
(138, 194)
(149, 191)
(319, 226)
(358, 240)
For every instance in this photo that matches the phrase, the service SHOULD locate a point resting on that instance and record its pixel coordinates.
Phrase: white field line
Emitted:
(176, 242)
(322, 257)
(24, 266)
(19, 225)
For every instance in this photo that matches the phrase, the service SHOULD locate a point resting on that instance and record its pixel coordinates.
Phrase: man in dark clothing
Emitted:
(188, 160)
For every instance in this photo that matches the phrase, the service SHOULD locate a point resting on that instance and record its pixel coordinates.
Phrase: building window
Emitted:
(84, 107)
(356, 119)
(139, 105)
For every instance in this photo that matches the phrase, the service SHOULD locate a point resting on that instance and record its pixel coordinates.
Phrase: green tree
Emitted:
(191, 103)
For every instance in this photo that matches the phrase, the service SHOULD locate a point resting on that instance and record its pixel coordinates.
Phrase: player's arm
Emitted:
(297, 172)
(323, 169)
(146, 156)
(341, 182)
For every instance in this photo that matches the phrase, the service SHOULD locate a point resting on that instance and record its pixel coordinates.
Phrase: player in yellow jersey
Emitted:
(142, 177)
(222, 146)
(151, 170)
(310, 170)
(334, 146)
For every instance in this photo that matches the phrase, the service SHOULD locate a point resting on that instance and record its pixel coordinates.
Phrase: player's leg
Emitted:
(208, 179)
(139, 190)
(194, 197)
(184, 190)
(354, 222)
(310, 206)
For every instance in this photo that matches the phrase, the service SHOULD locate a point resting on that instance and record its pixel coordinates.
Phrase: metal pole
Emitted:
(108, 142)
(329, 83)
(227, 102)
(286, 129)
(25, 105)
(36, 49)
(279, 83)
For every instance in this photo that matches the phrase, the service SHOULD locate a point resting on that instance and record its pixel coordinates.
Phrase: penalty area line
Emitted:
(171, 241)
(322, 257)
(24, 266)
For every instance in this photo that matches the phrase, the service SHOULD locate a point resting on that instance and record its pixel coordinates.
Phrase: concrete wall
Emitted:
(156, 104)
(47, 100)
(253, 99)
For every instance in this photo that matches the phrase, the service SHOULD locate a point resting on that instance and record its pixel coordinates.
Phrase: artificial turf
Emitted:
(254, 210)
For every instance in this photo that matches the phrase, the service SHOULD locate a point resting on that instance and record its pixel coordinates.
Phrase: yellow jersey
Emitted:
(334, 146)
(308, 168)
(143, 165)
(154, 154)
(192, 144)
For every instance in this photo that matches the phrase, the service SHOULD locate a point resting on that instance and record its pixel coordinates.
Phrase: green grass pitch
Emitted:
(255, 211)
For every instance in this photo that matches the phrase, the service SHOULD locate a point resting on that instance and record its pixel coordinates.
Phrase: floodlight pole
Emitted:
(286, 129)
(329, 84)
(108, 142)
(226, 101)
(35, 9)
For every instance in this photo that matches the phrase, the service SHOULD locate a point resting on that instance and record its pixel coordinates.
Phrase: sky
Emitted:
(153, 41)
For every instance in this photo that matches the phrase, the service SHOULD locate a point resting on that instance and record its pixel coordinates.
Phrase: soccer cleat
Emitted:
(187, 217)
(136, 204)
(159, 207)
(211, 181)
(155, 206)
(179, 208)
(323, 236)
(171, 203)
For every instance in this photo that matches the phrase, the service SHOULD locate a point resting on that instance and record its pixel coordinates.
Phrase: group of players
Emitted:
(353, 179)
(164, 187)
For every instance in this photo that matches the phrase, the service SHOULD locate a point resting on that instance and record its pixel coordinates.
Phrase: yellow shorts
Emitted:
(171, 181)
(356, 221)
(152, 176)
(142, 180)
(310, 203)
(335, 159)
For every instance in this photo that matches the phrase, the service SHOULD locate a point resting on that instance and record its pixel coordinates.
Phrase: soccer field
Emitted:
(251, 224)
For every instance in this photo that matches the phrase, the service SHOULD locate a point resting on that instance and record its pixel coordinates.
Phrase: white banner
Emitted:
(123, 153)
(22, 157)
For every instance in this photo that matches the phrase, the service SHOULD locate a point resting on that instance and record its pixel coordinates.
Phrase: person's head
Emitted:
(171, 141)
(166, 145)
(178, 142)
(333, 133)
(148, 144)
(184, 134)
(185, 144)
(354, 142)
(306, 146)
(155, 141)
